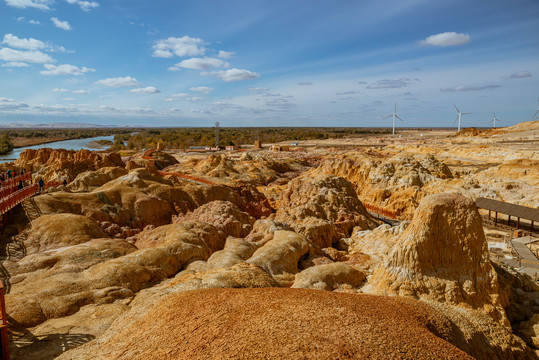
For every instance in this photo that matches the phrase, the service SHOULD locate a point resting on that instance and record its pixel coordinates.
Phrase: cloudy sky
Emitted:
(268, 63)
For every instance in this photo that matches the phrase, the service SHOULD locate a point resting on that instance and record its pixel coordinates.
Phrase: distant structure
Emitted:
(535, 117)
(279, 148)
(232, 147)
(258, 145)
(394, 115)
(217, 134)
(160, 146)
(459, 115)
(494, 119)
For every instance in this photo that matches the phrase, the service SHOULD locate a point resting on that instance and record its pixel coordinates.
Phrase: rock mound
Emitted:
(442, 256)
(275, 323)
(335, 276)
(60, 230)
(91, 180)
(323, 209)
(395, 183)
(224, 215)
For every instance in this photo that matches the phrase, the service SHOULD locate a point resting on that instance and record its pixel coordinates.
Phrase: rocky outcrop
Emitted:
(281, 255)
(60, 164)
(93, 274)
(91, 180)
(59, 230)
(394, 183)
(224, 215)
(442, 256)
(250, 169)
(323, 209)
(276, 324)
(330, 277)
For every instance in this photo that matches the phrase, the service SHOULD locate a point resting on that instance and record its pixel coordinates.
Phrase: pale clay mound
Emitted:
(121, 242)
(277, 324)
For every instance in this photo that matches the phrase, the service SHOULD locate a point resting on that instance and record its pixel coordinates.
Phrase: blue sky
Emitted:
(268, 63)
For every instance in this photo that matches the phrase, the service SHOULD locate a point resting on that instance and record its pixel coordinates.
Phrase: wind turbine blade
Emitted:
(395, 107)
(399, 118)
(534, 115)
(465, 113)
(387, 117)
(456, 107)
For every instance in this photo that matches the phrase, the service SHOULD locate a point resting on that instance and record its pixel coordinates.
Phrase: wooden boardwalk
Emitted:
(528, 262)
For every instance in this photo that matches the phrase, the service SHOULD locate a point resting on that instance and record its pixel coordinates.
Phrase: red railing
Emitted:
(4, 340)
(15, 180)
(147, 156)
(53, 184)
(16, 198)
(188, 177)
(384, 212)
(7, 190)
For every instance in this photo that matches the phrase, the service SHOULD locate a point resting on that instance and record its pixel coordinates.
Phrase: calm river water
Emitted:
(75, 144)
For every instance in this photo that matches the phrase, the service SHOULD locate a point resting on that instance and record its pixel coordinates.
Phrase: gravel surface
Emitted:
(278, 323)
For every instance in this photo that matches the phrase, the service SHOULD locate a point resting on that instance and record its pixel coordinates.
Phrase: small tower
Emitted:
(217, 133)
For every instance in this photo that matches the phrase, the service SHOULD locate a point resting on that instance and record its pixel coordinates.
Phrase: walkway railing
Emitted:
(16, 198)
(387, 213)
(189, 178)
(16, 179)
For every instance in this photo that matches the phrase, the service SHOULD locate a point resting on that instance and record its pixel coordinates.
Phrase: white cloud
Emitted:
(202, 89)
(80, 92)
(258, 89)
(146, 90)
(7, 104)
(27, 44)
(199, 64)
(521, 74)
(226, 54)
(84, 5)
(60, 90)
(35, 22)
(232, 74)
(119, 82)
(8, 54)
(389, 84)
(23, 4)
(180, 95)
(305, 83)
(184, 46)
(15, 64)
(64, 69)
(61, 24)
(469, 88)
(446, 39)
(69, 99)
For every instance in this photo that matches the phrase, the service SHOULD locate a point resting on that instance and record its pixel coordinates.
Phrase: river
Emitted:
(75, 144)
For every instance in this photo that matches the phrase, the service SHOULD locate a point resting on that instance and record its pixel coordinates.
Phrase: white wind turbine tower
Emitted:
(394, 115)
(460, 115)
(494, 119)
(537, 112)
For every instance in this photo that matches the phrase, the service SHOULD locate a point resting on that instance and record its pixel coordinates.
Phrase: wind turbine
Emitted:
(394, 115)
(494, 119)
(537, 112)
(459, 116)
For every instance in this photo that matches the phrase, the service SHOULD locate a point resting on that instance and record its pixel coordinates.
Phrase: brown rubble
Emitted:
(276, 324)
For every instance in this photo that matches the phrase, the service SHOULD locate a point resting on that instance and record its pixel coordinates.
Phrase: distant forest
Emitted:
(182, 138)
(177, 138)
